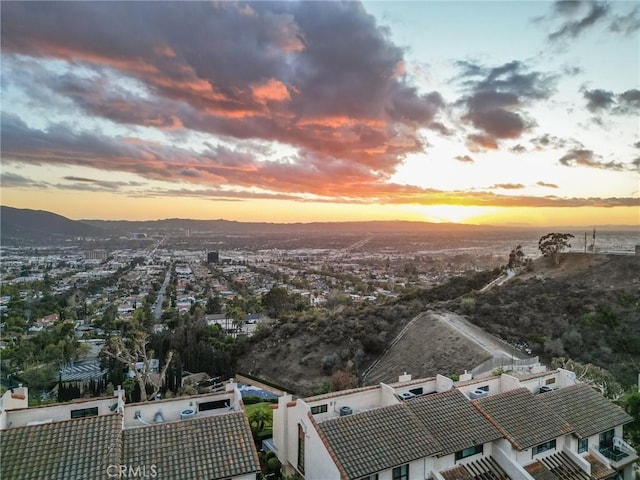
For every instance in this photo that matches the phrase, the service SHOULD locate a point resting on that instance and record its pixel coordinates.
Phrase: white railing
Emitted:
(623, 446)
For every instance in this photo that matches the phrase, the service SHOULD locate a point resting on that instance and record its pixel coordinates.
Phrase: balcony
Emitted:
(619, 453)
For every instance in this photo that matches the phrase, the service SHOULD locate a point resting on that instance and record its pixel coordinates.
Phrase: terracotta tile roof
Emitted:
(71, 449)
(558, 466)
(213, 447)
(485, 468)
(522, 417)
(218, 446)
(379, 439)
(453, 420)
(598, 469)
(587, 411)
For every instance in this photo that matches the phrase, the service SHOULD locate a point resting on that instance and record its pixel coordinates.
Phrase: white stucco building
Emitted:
(538, 427)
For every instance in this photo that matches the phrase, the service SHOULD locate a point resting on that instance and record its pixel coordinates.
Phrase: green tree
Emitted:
(275, 301)
(552, 244)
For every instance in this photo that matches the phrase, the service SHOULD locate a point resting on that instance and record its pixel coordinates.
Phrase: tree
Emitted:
(597, 377)
(552, 244)
(516, 257)
(133, 351)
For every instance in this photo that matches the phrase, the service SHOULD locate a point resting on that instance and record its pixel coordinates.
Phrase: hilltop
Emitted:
(18, 223)
(587, 308)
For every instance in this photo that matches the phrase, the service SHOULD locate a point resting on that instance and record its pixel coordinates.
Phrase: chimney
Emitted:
(404, 378)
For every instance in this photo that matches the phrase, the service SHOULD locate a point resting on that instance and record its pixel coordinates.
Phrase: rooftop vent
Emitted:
(478, 394)
(345, 411)
(406, 395)
(545, 389)
(187, 413)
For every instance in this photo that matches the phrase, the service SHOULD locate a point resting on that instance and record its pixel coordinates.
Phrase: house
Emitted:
(199, 436)
(543, 426)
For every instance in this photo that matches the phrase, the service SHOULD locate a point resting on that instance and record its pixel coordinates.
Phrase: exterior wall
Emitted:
(280, 428)
(296, 414)
(525, 457)
(358, 402)
(418, 470)
(62, 411)
(515, 471)
(493, 383)
(318, 463)
(171, 408)
(443, 383)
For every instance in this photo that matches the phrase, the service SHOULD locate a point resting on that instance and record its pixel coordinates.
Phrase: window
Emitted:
(606, 439)
(467, 452)
(204, 406)
(371, 477)
(417, 391)
(319, 409)
(84, 412)
(300, 449)
(583, 445)
(543, 447)
(550, 381)
(484, 388)
(401, 473)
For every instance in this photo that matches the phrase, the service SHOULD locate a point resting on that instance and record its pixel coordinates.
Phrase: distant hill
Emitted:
(19, 223)
(230, 227)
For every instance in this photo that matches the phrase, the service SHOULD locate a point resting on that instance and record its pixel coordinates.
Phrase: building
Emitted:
(199, 436)
(213, 257)
(543, 426)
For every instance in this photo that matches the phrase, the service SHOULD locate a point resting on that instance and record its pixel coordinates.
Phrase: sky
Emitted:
(504, 113)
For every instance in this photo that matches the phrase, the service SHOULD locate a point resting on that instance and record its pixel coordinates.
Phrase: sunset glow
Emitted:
(524, 113)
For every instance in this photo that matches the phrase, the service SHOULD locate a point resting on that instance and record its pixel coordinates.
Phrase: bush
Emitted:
(274, 465)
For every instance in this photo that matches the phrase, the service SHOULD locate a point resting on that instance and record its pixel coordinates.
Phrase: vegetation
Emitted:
(552, 244)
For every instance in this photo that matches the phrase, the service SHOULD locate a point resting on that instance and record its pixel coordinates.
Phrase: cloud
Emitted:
(478, 143)
(588, 13)
(464, 158)
(13, 180)
(629, 101)
(578, 16)
(586, 158)
(496, 97)
(625, 103)
(265, 71)
(518, 149)
(547, 185)
(81, 183)
(598, 99)
(548, 141)
(506, 186)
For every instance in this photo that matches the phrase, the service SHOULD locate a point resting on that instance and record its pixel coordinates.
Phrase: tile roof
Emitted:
(587, 411)
(485, 468)
(220, 446)
(558, 466)
(71, 449)
(379, 439)
(522, 417)
(598, 469)
(453, 420)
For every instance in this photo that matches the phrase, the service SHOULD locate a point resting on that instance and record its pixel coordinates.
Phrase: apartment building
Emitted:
(199, 436)
(538, 427)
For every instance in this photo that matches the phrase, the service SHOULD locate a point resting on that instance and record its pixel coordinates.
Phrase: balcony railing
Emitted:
(618, 451)
(613, 453)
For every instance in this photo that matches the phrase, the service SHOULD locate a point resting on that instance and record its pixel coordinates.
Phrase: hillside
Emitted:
(587, 308)
(25, 224)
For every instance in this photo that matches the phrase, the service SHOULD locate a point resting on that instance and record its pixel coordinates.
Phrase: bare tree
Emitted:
(132, 351)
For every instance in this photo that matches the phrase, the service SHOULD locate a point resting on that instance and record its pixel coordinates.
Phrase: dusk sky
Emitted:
(479, 112)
